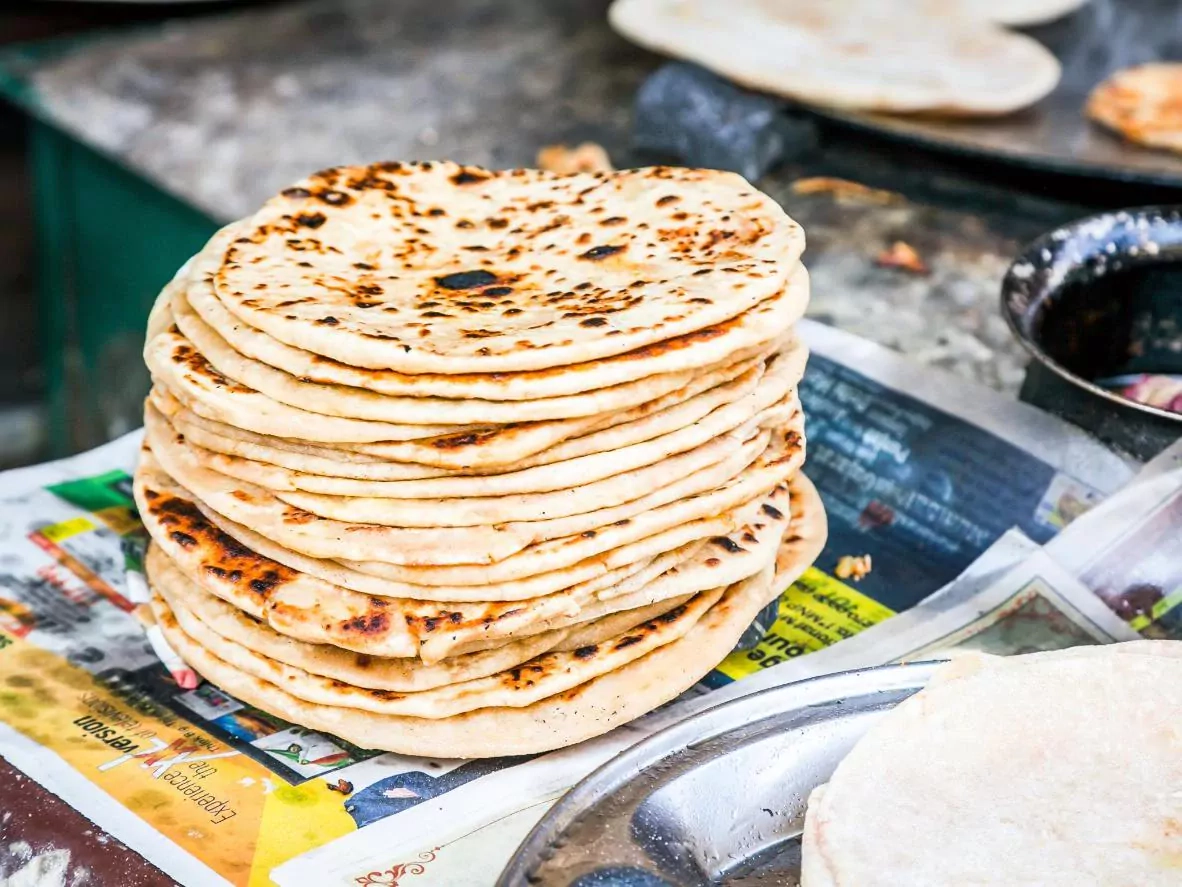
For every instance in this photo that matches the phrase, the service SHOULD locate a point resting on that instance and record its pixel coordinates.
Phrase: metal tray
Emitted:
(718, 799)
(1091, 43)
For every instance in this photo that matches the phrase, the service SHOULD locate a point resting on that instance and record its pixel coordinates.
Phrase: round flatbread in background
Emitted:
(1056, 769)
(1143, 104)
(902, 56)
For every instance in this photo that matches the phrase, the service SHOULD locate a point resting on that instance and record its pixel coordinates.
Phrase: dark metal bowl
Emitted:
(1098, 298)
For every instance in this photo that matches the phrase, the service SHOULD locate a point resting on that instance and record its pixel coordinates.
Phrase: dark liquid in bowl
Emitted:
(1125, 322)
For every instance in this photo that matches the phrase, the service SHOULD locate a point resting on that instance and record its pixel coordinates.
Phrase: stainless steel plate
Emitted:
(1101, 37)
(718, 799)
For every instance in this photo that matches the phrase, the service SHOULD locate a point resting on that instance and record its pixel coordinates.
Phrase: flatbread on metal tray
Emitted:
(1054, 769)
(896, 56)
(1143, 104)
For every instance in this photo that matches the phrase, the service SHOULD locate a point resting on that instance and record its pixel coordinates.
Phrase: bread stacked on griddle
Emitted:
(466, 463)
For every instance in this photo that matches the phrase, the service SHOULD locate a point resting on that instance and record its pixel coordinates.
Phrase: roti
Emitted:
(310, 460)
(870, 55)
(1006, 767)
(755, 400)
(321, 536)
(438, 268)
(192, 380)
(189, 379)
(487, 451)
(701, 348)
(539, 678)
(328, 661)
(588, 710)
(303, 606)
(360, 403)
(1142, 104)
(490, 545)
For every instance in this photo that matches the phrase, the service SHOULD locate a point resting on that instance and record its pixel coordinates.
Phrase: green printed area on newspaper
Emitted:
(815, 612)
(97, 493)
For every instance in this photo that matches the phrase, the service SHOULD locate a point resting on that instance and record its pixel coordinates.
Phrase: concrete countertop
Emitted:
(224, 110)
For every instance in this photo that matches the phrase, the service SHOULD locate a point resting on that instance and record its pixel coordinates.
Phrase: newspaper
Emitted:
(933, 478)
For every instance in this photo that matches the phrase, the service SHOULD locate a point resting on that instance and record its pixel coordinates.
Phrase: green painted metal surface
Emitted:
(107, 242)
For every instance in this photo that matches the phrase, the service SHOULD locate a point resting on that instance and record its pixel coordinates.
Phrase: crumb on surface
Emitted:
(853, 566)
(903, 256)
(845, 190)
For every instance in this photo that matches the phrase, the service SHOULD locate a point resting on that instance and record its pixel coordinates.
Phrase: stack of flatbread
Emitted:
(464, 463)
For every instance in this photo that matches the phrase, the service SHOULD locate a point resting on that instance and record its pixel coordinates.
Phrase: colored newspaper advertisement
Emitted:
(923, 476)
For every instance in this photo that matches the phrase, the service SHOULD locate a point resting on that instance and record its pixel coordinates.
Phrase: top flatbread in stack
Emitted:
(431, 446)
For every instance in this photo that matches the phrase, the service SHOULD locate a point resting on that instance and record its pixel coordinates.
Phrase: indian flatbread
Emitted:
(588, 710)
(226, 540)
(1143, 104)
(695, 350)
(308, 608)
(871, 55)
(540, 678)
(335, 663)
(491, 546)
(303, 606)
(754, 399)
(191, 378)
(439, 268)
(486, 451)
(585, 507)
(673, 524)
(598, 630)
(321, 536)
(360, 403)
(566, 511)
(1056, 769)
(322, 461)
(722, 559)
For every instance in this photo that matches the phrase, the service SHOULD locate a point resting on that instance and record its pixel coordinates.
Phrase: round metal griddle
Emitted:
(1091, 43)
(718, 799)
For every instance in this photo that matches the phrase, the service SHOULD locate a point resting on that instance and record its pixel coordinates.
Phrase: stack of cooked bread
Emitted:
(464, 463)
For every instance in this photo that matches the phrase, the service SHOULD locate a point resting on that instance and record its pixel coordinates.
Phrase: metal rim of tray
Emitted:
(905, 132)
(745, 713)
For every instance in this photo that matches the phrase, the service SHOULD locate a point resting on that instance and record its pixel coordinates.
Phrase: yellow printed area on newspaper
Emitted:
(816, 611)
(221, 806)
(1160, 608)
(67, 528)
